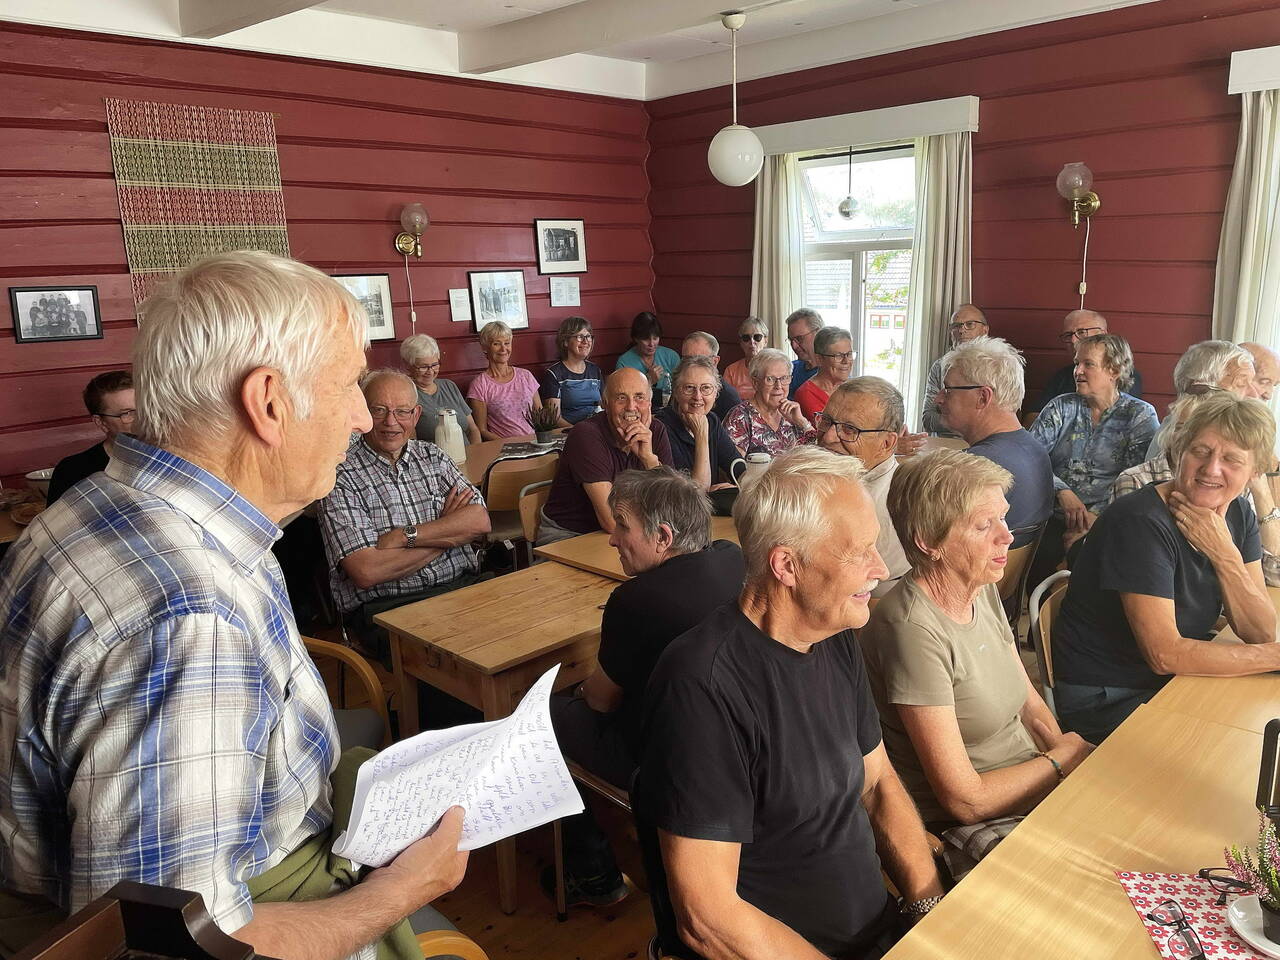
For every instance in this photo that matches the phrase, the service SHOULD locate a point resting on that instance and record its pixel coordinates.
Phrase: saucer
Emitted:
(1245, 917)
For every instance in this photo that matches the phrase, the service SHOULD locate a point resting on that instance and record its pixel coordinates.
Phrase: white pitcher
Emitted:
(752, 467)
(449, 437)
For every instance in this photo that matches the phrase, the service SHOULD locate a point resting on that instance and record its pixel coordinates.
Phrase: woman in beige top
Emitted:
(754, 336)
(967, 732)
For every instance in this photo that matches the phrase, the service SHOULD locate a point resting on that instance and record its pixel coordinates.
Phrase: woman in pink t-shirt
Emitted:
(501, 396)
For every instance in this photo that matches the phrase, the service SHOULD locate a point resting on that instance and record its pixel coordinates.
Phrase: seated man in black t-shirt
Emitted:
(109, 399)
(763, 777)
(662, 532)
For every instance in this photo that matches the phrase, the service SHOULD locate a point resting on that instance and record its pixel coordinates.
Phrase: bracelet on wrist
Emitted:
(1057, 767)
(918, 908)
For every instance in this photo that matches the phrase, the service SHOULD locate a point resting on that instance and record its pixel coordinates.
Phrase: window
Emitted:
(858, 268)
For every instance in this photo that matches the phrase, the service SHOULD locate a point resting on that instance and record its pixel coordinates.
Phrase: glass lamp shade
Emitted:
(735, 155)
(1075, 180)
(848, 207)
(414, 218)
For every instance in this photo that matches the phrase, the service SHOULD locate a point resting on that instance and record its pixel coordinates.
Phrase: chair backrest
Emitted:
(532, 498)
(1013, 584)
(1046, 601)
(508, 477)
(358, 665)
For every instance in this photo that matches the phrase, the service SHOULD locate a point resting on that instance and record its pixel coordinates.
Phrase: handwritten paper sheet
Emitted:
(507, 774)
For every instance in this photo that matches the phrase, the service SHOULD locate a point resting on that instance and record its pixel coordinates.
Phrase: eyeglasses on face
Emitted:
(380, 413)
(847, 355)
(694, 389)
(778, 381)
(583, 337)
(124, 416)
(424, 367)
(745, 337)
(965, 325)
(1080, 334)
(966, 386)
(848, 432)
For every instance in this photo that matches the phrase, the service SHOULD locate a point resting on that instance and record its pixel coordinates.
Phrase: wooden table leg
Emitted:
(408, 686)
(495, 693)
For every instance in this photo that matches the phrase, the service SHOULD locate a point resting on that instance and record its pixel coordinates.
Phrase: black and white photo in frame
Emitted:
(373, 290)
(498, 295)
(562, 246)
(43, 314)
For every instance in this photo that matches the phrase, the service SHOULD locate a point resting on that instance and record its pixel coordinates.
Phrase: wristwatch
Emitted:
(1273, 515)
(410, 536)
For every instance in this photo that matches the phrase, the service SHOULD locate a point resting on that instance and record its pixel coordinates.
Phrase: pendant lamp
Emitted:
(735, 155)
(848, 206)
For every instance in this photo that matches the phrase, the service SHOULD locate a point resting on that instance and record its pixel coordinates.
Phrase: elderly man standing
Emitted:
(1077, 325)
(700, 344)
(763, 773)
(981, 392)
(1266, 370)
(862, 419)
(399, 523)
(109, 399)
(622, 436)
(802, 326)
(160, 718)
(662, 532)
(967, 323)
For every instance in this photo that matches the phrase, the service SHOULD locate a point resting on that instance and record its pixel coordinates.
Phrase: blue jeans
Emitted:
(1093, 712)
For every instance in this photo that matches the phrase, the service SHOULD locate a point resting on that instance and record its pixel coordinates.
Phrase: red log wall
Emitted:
(1140, 94)
(355, 143)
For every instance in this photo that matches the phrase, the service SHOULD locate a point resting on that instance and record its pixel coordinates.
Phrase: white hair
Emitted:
(373, 377)
(418, 347)
(220, 318)
(761, 361)
(787, 504)
(990, 362)
(1206, 362)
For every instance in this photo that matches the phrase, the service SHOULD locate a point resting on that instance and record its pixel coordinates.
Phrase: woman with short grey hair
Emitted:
(699, 442)
(965, 729)
(754, 337)
(834, 353)
(421, 356)
(768, 422)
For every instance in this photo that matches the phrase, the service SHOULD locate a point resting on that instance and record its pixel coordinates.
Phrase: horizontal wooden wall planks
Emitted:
(355, 144)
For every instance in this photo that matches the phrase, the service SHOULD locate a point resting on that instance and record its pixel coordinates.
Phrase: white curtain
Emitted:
(940, 257)
(1246, 290)
(777, 260)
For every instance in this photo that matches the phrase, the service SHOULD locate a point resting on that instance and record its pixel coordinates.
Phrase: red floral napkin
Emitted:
(1199, 904)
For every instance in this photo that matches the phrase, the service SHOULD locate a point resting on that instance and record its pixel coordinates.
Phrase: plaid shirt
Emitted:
(1157, 470)
(1087, 458)
(160, 718)
(373, 495)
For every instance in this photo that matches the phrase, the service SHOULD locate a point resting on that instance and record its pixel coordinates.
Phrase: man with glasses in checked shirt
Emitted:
(400, 521)
(1077, 325)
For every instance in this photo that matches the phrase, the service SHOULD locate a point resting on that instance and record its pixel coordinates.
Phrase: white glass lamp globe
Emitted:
(1074, 180)
(735, 155)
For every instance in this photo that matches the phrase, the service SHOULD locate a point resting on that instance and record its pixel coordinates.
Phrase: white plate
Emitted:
(1245, 917)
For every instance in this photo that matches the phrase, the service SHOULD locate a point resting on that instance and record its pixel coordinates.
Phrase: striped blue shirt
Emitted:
(160, 719)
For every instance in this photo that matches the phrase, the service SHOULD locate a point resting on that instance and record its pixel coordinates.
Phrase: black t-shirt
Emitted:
(647, 612)
(749, 741)
(71, 470)
(1135, 547)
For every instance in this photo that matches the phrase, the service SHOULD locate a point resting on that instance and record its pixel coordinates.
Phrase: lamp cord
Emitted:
(1084, 260)
(734, 84)
(413, 313)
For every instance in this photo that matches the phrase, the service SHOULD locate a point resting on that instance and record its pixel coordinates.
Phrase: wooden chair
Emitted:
(450, 943)
(1046, 600)
(503, 487)
(360, 724)
(532, 499)
(1013, 585)
(601, 787)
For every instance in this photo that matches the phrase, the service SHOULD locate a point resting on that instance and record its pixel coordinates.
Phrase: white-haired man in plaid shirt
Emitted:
(160, 719)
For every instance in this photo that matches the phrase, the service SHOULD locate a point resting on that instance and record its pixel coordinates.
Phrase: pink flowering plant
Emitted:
(1260, 872)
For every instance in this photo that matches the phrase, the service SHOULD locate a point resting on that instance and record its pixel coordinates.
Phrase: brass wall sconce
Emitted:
(414, 220)
(1075, 184)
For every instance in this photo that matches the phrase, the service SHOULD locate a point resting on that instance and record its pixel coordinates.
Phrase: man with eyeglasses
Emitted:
(109, 399)
(400, 521)
(802, 326)
(700, 344)
(862, 419)
(1077, 325)
(967, 323)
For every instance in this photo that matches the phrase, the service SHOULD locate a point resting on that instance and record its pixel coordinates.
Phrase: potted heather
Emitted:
(1260, 872)
(544, 420)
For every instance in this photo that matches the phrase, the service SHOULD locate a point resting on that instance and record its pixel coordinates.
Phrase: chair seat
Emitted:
(505, 525)
(362, 727)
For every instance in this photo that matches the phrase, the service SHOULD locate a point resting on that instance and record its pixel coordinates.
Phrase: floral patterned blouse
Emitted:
(750, 432)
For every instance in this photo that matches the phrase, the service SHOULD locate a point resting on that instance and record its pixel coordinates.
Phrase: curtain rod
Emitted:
(856, 153)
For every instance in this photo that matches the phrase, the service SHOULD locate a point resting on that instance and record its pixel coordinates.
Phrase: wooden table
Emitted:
(9, 531)
(1165, 792)
(486, 645)
(592, 552)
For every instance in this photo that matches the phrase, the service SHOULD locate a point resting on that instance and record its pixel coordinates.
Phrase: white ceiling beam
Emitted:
(580, 28)
(206, 19)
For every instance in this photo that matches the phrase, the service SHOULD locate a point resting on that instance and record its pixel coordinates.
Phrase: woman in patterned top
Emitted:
(769, 422)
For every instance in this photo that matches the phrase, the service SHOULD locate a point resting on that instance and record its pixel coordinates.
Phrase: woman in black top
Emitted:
(699, 443)
(1158, 569)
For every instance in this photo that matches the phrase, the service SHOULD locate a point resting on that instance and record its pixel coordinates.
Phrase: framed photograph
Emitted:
(497, 295)
(42, 314)
(562, 246)
(374, 291)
